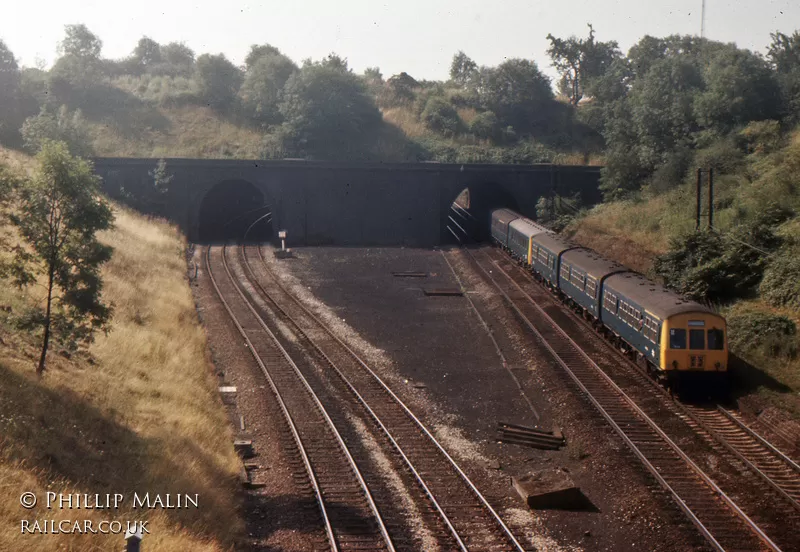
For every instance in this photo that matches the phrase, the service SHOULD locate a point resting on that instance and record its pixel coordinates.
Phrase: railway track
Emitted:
(350, 517)
(761, 457)
(716, 515)
(719, 427)
(472, 523)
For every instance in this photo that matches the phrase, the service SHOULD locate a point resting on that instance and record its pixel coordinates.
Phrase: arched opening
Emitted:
(467, 220)
(232, 208)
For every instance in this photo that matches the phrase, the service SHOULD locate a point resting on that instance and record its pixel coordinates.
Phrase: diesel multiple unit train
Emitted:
(675, 338)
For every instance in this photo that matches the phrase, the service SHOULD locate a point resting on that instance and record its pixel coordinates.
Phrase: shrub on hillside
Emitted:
(781, 284)
(708, 266)
(218, 80)
(64, 126)
(761, 137)
(440, 116)
(486, 126)
(753, 330)
(672, 171)
(723, 155)
(328, 113)
(263, 84)
(399, 90)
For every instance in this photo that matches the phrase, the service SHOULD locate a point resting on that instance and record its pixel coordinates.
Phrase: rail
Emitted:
(497, 519)
(298, 441)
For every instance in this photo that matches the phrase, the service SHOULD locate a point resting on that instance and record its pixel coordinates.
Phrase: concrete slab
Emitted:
(551, 490)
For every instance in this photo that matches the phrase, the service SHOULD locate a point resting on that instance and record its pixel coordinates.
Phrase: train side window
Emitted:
(543, 257)
(578, 280)
(591, 287)
(677, 338)
(716, 339)
(651, 329)
(697, 339)
(610, 302)
(565, 272)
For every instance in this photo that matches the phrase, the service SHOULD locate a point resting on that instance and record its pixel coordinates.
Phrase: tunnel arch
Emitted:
(469, 208)
(229, 210)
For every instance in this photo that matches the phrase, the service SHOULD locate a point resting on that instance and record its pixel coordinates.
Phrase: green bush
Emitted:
(781, 284)
(723, 155)
(485, 125)
(64, 126)
(708, 266)
(440, 116)
(760, 330)
(761, 136)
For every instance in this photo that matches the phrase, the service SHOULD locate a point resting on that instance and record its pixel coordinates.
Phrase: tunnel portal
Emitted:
(232, 208)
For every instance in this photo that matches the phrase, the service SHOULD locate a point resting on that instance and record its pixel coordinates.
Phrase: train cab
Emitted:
(694, 341)
(677, 336)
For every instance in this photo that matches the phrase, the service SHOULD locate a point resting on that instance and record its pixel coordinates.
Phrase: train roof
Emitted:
(554, 242)
(527, 227)
(592, 262)
(505, 215)
(653, 297)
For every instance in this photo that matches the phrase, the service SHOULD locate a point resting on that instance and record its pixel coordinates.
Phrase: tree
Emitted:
(263, 85)
(9, 94)
(66, 127)
(218, 80)
(327, 111)
(517, 92)
(63, 212)
(79, 68)
(580, 61)
(398, 90)
(147, 52)
(80, 42)
(373, 75)
(784, 56)
(462, 69)
(662, 107)
(739, 87)
(335, 61)
(178, 57)
(259, 51)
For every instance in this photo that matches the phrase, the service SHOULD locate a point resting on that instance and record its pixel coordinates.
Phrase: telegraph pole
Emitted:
(703, 19)
(699, 200)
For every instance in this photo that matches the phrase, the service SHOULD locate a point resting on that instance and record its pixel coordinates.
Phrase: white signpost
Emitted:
(283, 253)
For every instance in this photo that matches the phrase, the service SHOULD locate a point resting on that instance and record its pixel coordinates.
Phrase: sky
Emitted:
(416, 36)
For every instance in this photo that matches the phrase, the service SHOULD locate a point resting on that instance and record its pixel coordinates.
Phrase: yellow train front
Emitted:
(694, 342)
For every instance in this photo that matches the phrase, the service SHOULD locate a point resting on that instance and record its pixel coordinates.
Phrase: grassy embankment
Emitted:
(634, 231)
(138, 413)
(160, 117)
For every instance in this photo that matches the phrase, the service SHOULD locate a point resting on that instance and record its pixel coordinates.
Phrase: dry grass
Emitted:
(631, 232)
(405, 119)
(139, 414)
(192, 132)
(467, 114)
(16, 161)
